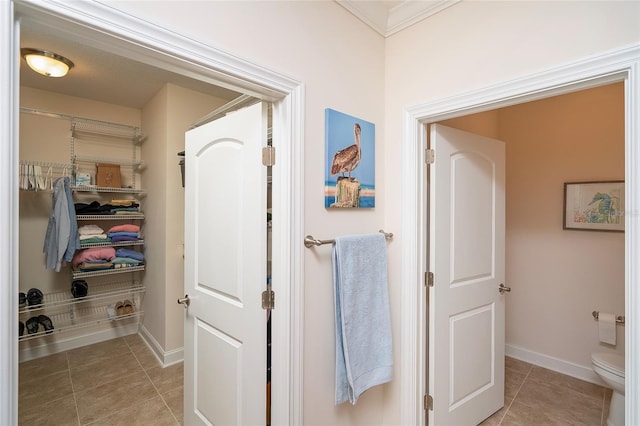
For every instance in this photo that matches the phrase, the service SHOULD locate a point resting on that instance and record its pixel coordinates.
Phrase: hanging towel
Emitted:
(364, 356)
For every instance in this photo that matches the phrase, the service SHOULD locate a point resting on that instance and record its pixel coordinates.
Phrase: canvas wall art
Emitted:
(594, 206)
(350, 161)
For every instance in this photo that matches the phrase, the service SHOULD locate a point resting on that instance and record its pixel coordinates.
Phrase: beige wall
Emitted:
(165, 119)
(558, 277)
(347, 66)
(48, 139)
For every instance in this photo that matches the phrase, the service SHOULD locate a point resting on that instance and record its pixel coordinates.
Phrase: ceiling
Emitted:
(108, 77)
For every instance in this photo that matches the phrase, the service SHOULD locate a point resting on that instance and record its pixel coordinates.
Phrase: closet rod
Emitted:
(309, 241)
(73, 117)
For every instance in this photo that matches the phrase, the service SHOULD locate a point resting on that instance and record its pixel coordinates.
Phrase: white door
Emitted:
(225, 270)
(466, 256)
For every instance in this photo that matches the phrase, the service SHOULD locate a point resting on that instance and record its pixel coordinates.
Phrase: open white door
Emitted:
(225, 270)
(466, 256)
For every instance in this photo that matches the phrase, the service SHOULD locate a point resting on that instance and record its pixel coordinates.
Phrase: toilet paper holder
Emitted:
(619, 318)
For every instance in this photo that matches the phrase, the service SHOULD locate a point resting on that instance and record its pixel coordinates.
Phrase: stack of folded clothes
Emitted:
(94, 259)
(125, 232)
(115, 207)
(125, 258)
(90, 234)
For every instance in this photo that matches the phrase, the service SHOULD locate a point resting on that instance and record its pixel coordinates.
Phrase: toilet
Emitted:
(610, 368)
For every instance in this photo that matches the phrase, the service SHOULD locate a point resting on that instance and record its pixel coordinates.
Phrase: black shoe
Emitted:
(20, 328)
(32, 325)
(46, 323)
(22, 300)
(79, 288)
(34, 297)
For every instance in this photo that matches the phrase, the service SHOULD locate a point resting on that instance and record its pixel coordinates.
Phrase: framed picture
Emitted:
(350, 173)
(594, 206)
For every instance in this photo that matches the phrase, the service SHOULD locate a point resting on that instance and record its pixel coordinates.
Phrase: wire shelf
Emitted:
(80, 274)
(110, 216)
(112, 244)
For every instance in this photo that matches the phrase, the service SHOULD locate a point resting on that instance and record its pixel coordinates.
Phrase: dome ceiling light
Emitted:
(46, 63)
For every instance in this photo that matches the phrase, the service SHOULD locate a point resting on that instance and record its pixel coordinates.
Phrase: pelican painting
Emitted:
(349, 161)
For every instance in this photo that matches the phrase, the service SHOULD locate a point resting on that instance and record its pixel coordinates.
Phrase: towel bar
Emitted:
(619, 318)
(309, 241)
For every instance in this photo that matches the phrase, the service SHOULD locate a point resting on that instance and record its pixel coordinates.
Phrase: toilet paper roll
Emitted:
(607, 328)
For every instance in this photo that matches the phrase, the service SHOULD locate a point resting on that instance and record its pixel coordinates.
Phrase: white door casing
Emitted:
(225, 270)
(466, 256)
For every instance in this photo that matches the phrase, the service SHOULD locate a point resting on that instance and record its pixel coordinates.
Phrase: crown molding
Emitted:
(389, 20)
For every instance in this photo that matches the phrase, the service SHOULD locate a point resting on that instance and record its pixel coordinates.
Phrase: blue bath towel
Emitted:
(364, 356)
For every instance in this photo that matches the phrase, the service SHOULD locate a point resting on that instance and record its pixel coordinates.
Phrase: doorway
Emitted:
(101, 26)
(608, 68)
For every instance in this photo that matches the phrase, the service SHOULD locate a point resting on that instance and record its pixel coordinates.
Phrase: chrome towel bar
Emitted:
(619, 318)
(309, 241)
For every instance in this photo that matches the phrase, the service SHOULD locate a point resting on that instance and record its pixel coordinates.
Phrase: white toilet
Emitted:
(610, 368)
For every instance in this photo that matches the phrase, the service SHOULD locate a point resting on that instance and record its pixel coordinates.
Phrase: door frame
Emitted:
(138, 39)
(608, 67)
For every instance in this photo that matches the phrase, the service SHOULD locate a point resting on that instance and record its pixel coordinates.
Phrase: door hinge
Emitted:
(428, 402)
(429, 156)
(269, 155)
(428, 279)
(268, 299)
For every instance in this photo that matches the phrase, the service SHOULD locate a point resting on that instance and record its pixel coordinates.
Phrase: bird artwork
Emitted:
(347, 159)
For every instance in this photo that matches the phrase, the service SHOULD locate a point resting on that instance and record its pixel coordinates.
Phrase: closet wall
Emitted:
(166, 117)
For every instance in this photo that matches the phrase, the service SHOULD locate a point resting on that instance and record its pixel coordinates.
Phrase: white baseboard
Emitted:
(38, 348)
(166, 358)
(581, 372)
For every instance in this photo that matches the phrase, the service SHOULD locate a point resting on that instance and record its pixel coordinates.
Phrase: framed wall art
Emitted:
(594, 206)
(350, 161)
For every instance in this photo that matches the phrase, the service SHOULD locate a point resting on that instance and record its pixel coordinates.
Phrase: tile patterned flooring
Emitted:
(537, 396)
(117, 382)
(120, 382)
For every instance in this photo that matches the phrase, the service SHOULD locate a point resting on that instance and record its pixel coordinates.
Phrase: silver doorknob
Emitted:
(503, 288)
(184, 301)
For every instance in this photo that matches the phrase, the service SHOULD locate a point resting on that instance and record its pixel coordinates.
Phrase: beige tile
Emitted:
(495, 418)
(512, 383)
(118, 367)
(516, 366)
(545, 403)
(105, 399)
(53, 386)
(146, 358)
(151, 412)
(97, 352)
(59, 412)
(136, 342)
(37, 368)
(175, 400)
(167, 379)
(543, 375)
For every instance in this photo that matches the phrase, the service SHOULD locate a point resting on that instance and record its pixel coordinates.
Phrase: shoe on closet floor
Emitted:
(46, 323)
(127, 307)
(34, 297)
(33, 325)
(20, 328)
(22, 300)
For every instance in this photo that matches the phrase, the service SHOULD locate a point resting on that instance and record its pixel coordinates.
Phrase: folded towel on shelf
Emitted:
(126, 260)
(103, 237)
(364, 356)
(121, 238)
(123, 252)
(95, 253)
(90, 230)
(126, 227)
(122, 234)
(88, 266)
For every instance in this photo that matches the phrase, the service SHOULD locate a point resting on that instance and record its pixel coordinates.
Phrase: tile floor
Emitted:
(120, 382)
(537, 396)
(117, 382)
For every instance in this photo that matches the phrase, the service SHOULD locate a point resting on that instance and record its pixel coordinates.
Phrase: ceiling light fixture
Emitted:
(45, 62)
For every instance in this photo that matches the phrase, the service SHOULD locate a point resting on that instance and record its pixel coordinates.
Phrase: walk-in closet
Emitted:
(101, 227)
